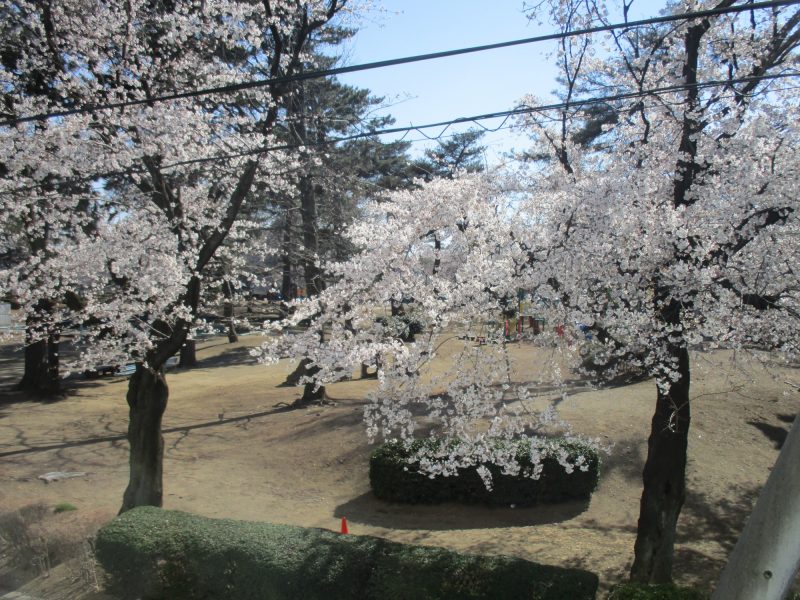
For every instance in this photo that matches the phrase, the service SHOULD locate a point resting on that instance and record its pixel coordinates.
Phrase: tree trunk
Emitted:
(53, 362)
(41, 363)
(311, 395)
(188, 356)
(293, 378)
(287, 285)
(147, 399)
(308, 209)
(233, 337)
(664, 473)
(664, 479)
(227, 312)
(35, 365)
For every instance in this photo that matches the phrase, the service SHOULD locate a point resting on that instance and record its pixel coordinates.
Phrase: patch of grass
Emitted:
(64, 507)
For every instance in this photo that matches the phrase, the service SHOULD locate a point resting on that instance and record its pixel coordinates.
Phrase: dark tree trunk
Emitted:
(227, 312)
(312, 395)
(365, 374)
(398, 310)
(188, 356)
(287, 285)
(664, 473)
(293, 378)
(664, 479)
(53, 381)
(233, 337)
(35, 365)
(41, 362)
(308, 209)
(147, 400)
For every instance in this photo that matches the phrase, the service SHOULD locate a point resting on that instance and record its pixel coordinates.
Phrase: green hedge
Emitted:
(157, 554)
(394, 479)
(402, 326)
(664, 591)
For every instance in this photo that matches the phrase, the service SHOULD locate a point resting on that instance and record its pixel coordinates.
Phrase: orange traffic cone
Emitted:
(344, 525)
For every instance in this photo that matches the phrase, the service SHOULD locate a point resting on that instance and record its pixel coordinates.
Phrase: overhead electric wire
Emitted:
(505, 115)
(226, 89)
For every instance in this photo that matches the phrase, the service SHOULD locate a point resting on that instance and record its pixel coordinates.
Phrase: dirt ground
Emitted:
(233, 450)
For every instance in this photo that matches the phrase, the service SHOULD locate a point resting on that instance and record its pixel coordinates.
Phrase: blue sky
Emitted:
(454, 87)
(462, 86)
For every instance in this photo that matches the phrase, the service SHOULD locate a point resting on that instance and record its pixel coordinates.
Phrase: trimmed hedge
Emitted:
(663, 591)
(402, 326)
(158, 554)
(394, 479)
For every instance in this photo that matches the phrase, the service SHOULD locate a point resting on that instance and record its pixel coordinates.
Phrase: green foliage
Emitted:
(402, 326)
(664, 591)
(158, 554)
(64, 507)
(459, 152)
(394, 479)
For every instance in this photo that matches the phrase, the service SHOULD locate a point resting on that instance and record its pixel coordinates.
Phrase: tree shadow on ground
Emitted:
(776, 434)
(719, 519)
(708, 529)
(626, 459)
(239, 355)
(369, 510)
(70, 386)
(29, 448)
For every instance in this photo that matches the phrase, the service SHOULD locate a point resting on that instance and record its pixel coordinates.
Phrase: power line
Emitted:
(506, 115)
(226, 89)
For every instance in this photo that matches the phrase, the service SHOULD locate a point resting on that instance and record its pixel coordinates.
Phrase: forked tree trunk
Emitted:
(293, 378)
(147, 401)
(312, 395)
(664, 479)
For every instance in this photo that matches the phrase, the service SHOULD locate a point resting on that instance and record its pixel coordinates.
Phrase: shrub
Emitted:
(21, 530)
(40, 538)
(402, 326)
(394, 479)
(664, 591)
(157, 554)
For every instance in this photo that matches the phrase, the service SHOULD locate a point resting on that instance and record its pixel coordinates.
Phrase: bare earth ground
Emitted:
(234, 451)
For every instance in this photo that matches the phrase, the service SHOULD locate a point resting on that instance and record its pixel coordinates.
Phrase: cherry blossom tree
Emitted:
(153, 174)
(450, 253)
(682, 229)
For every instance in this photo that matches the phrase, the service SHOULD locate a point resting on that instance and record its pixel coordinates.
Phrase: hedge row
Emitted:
(664, 591)
(394, 479)
(157, 554)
